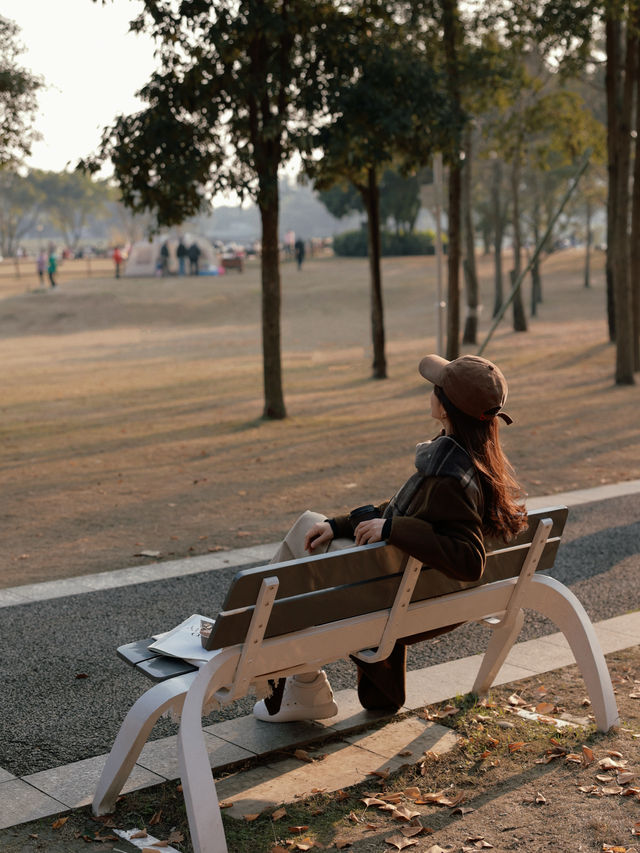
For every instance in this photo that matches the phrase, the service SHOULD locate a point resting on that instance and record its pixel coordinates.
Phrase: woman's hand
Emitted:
(320, 533)
(369, 531)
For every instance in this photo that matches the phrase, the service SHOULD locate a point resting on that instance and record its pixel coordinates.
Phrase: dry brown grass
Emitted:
(131, 409)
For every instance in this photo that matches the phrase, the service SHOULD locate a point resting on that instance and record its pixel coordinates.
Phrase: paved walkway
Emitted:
(354, 750)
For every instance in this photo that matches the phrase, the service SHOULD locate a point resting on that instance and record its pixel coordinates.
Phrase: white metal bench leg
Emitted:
(559, 604)
(502, 639)
(133, 735)
(198, 787)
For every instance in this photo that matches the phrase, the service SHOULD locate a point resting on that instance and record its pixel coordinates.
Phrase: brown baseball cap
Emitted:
(474, 385)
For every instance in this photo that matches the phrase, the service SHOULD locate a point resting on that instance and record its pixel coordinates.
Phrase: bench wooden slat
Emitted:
(324, 598)
(316, 572)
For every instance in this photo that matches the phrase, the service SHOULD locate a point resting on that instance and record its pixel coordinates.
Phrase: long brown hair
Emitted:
(504, 514)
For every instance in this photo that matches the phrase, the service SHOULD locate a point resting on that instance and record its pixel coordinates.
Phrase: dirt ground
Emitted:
(130, 414)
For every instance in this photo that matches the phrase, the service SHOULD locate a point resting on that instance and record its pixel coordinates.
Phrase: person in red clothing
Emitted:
(463, 489)
(117, 260)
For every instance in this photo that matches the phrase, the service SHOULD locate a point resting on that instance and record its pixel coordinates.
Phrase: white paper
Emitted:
(184, 641)
(141, 843)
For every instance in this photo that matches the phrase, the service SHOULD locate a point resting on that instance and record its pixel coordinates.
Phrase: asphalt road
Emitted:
(64, 692)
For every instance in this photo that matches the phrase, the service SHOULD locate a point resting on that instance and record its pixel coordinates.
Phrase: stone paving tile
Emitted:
(262, 738)
(5, 775)
(540, 655)
(351, 714)
(75, 784)
(344, 765)
(628, 624)
(412, 735)
(161, 756)
(20, 803)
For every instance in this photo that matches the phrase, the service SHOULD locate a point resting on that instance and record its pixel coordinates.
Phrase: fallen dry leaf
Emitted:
(610, 790)
(587, 755)
(341, 843)
(60, 822)
(405, 753)
(400, 842)
(540, 799)
(382, 774)
(413, 793)
(624, 778)
(160, 844)
(610, 764)
(299, 829)
(155, 818)
(141, 833)
(225, 804)
(410, 831)
(251, 817)
(545, 708)
(403, 813)
(516, 700)
(463, 810)
(515, 746)
(278, 813)
(373, 801)
(175, 837)
(574, 757)
(303, 755)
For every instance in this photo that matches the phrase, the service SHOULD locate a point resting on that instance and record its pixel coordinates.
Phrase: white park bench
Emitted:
(285, 618)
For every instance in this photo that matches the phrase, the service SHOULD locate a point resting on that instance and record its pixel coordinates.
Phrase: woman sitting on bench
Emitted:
(463, 490)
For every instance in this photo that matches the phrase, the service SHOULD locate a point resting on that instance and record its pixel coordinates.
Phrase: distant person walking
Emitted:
(41, 265)
(300, 251)
(194, 258)
(52, 268)
(182, 252)
(164, 259)
(117, 260)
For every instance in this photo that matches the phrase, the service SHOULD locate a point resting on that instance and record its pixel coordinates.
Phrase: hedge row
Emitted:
(353, 244)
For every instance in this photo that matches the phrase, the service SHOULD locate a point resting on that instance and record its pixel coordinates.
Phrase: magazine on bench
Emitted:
(185, 640)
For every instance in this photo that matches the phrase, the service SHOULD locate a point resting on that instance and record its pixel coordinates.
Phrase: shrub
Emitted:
(353, 244)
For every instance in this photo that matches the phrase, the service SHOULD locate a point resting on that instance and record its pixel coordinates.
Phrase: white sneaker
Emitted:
(301, 700)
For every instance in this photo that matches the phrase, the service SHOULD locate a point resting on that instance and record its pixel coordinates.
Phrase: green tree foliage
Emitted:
(21, 201)
(399, 200)
(393, 109)
(71, 199)
(239, 87)
(18, 104)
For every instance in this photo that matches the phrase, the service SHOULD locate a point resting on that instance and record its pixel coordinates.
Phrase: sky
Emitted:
(91, 68)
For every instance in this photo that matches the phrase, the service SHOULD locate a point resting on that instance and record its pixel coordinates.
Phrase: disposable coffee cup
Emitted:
(362, 513)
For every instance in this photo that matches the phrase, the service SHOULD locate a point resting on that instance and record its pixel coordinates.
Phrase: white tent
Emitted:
(144, 256)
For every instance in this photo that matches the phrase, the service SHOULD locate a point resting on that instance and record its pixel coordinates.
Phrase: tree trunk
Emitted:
(470, 333)
(621, 261)
(519, 319)
(635, 233)
(498, 234)
(272, 369)
(451, 36)
(589, 241)
(536, 280)
(372, 203)
(613, 87)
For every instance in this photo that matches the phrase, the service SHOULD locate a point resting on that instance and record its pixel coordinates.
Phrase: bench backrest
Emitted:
(339, 585)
